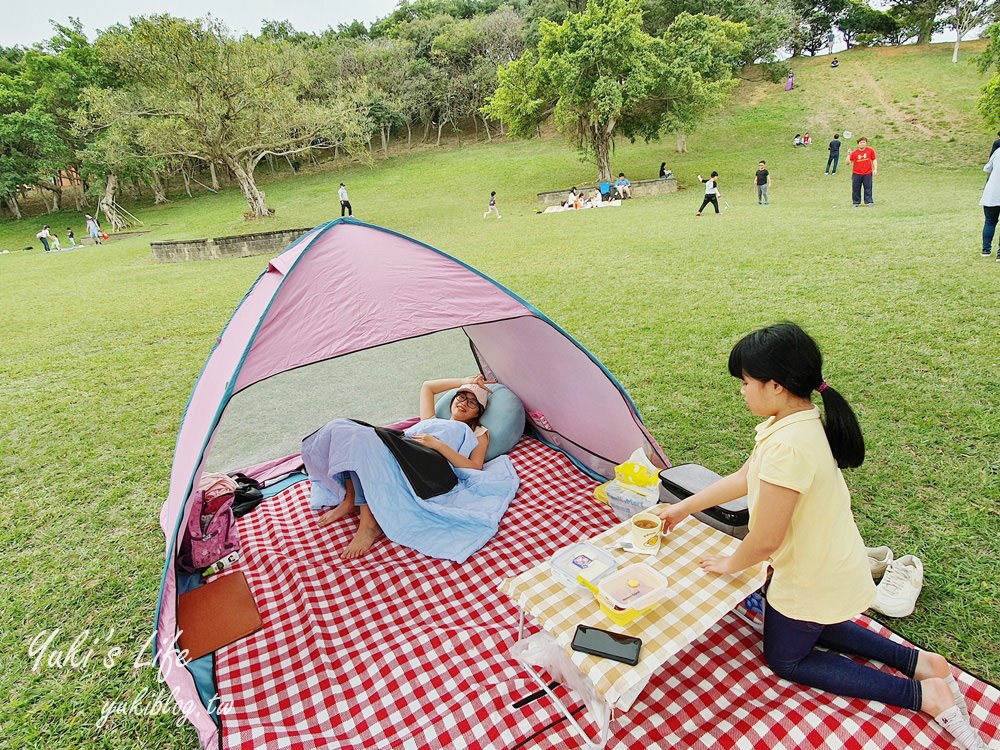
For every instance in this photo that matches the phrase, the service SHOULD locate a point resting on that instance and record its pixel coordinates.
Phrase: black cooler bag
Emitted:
(680, 482)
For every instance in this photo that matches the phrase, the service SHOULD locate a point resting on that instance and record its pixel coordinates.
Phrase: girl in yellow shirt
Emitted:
(801, 522)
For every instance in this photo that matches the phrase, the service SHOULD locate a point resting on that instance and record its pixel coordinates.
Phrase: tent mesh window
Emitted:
(269, 419)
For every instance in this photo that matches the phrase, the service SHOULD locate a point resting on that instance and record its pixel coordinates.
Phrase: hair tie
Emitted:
(822, 386)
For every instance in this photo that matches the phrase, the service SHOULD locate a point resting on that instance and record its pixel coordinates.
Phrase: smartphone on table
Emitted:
(617, 646)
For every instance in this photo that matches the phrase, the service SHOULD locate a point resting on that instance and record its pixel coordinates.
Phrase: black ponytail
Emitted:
(842, 430)
(787, 355)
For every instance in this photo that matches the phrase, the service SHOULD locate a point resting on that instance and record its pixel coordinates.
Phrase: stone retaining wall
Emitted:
(238, 246)
(639, 188)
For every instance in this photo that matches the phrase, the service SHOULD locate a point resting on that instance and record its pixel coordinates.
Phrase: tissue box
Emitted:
(626, 502)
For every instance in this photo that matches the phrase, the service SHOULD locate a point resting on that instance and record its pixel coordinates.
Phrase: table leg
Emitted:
(603, 721)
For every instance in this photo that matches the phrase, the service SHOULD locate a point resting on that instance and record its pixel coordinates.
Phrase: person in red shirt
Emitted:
(865, 168)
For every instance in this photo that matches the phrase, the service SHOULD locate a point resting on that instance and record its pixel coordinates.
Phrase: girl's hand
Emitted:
(717, 564)
(671, 515)
(479, 380)
(429, 441)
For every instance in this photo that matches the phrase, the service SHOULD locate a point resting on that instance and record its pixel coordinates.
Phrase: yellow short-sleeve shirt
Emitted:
(821, 571)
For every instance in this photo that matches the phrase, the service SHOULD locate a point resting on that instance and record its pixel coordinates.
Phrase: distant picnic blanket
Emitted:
(602, 204)
(450, 526)
(397, 650)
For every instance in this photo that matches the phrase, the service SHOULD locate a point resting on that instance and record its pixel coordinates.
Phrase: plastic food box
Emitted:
(581, 564)
(630, 592)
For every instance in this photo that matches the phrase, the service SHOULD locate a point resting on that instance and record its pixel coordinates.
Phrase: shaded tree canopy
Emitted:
(190, 89)
(600, 74)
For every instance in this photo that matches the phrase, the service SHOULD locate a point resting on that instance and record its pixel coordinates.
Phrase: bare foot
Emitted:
(936, 696)
(368, 532)
(345, 508)
(334, 515)
(929, 665)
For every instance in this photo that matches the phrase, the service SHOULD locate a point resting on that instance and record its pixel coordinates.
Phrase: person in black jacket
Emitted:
(834, 157)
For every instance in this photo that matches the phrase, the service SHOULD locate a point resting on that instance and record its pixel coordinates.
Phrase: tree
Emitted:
(194, 91)
(30, 147)
(989, 61)
(965, 15)
(600, 75)
(920, 16)
(770, 23)
(862, 24)
(54, 75)
(470, 51)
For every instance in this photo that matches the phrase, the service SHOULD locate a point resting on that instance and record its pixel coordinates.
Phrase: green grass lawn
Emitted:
(102, 347)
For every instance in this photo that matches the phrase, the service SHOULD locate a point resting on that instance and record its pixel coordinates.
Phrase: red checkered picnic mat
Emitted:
(397, 650)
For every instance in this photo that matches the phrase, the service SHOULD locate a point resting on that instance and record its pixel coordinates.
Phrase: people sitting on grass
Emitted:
(623, 188)
(797, 140)
(573, 199)
(664, 172)
(807, 140)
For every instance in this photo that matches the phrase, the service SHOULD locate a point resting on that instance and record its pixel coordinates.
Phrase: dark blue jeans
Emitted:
(790, 650)
(857, 181)
(834, 159)
(992, 214)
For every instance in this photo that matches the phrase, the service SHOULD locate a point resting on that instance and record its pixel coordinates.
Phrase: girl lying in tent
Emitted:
(428, 487)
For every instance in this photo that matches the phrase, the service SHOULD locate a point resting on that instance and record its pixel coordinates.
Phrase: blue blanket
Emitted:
(450, 526)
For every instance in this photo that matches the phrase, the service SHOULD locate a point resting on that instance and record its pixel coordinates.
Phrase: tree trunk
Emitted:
(187, 180)
(49, 190)
(682, 144)
(159, 193)
(107, 204)
(440, 127)
(486, 125)
(409, 135)
(384, 133)
(254, 196)
(958, 40)
(601, 139)
(13, 205)
(215, 177)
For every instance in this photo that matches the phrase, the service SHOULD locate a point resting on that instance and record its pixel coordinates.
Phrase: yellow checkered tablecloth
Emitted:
(696, 601)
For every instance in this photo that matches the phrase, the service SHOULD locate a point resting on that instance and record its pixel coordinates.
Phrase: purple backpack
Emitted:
(211, 529)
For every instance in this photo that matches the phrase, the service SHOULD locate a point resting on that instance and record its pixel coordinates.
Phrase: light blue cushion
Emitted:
(504, 417)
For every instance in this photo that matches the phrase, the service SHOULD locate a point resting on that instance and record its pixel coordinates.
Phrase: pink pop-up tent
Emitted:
(355, 309)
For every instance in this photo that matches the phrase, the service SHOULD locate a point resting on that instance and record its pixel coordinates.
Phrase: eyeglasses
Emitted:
(468, 398)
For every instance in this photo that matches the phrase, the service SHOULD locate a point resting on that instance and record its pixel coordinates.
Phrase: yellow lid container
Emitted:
(629, 593)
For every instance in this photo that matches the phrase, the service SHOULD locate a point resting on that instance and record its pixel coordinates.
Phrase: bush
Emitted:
(776, 71)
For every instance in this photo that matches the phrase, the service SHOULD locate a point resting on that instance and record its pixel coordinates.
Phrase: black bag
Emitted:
(248, 494)
(428, 472)
(684, 480)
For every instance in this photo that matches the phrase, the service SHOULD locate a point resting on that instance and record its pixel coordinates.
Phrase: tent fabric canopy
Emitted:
(346, 287)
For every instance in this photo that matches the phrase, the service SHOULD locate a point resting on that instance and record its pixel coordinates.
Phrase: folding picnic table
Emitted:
(697, 600)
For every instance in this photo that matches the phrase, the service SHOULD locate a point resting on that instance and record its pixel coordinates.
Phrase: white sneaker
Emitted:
(897, 593)
(878, 560)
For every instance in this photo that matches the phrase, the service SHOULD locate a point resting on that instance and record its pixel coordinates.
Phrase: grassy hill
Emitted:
(102, 346)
